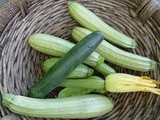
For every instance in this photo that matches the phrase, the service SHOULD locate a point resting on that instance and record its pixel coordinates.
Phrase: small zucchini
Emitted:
(62, 69)
(120, 83)
(82, 71)
(93, 82)
(115, 55)
(76, 87)
(76, 107)
(69, 92)
(89, 20)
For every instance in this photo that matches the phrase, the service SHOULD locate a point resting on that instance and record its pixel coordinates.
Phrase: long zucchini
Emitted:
(77, 107)
(116, 55)
(61, 70)
(89, 20)
(82, 71)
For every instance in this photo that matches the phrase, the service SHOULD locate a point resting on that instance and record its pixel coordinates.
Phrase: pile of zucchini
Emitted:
(73, 67)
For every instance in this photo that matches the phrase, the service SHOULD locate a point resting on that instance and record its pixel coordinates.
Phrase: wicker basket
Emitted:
(20, 65)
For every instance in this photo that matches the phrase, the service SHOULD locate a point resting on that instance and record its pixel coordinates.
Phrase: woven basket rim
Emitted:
(21, 9)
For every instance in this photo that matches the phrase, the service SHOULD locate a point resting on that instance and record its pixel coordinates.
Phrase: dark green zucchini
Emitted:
(62, 69)
(82, 71)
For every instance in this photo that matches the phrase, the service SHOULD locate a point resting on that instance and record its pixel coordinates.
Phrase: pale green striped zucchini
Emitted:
(77, 107)
(89, 20)
(116, 55)
(82, 71)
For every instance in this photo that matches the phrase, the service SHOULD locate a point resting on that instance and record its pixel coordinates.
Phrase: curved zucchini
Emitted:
(116, 55)
(77, 107)
(82, 71)
(62, 69)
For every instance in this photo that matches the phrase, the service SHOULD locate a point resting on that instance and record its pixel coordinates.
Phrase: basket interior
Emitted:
(21, 65)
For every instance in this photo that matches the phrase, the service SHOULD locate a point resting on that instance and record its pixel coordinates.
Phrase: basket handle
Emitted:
(147, 9)
(10, 8)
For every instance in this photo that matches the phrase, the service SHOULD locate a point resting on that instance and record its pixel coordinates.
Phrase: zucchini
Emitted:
(68, 92)
(93, 82)
(77, 107)
(76, 87)
(61, 70)
(92, 22)
(116, 55)
(82, 71)
(104, 69)
(116, 83)
(55, 46)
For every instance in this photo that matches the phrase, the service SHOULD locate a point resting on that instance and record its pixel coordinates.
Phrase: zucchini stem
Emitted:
(104, 69)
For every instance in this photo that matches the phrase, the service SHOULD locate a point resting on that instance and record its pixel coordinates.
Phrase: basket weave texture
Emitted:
(20, 65)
